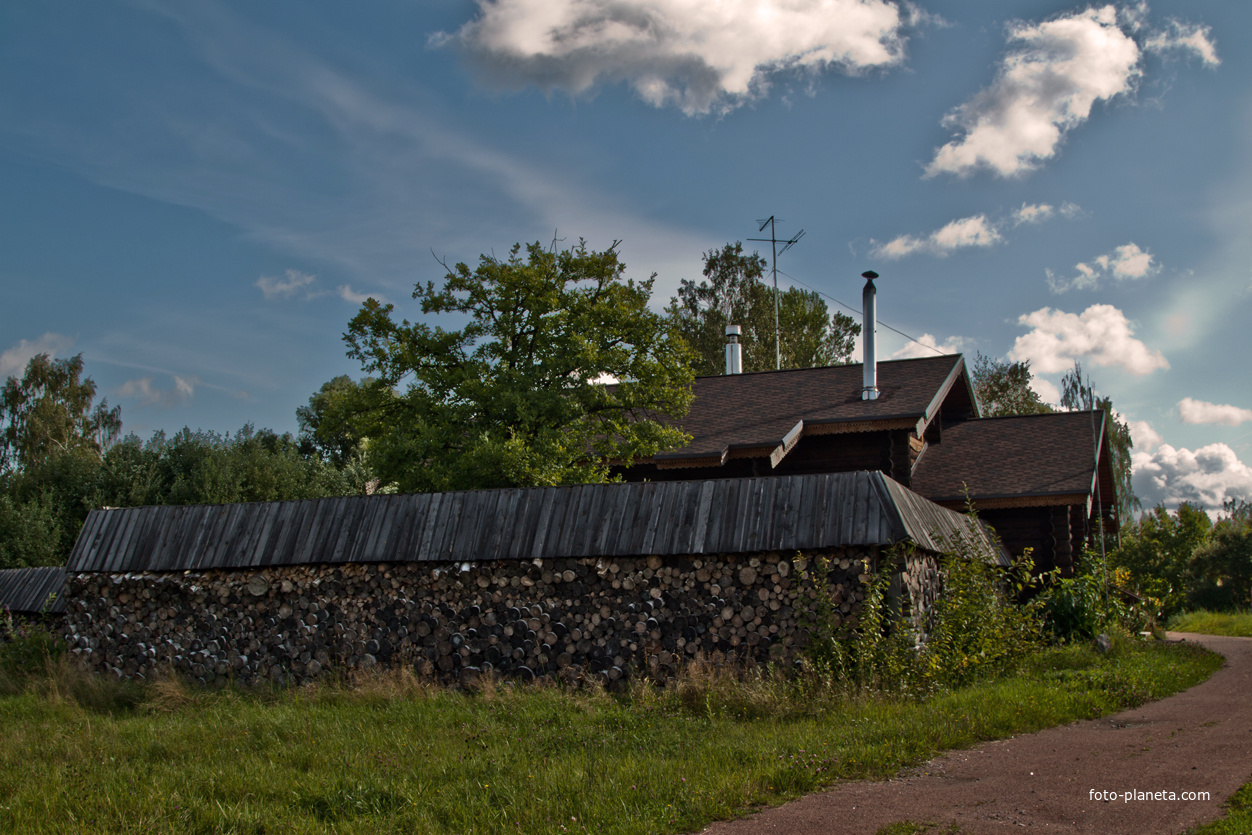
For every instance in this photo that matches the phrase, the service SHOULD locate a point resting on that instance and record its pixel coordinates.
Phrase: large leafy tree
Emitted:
(1003, 388)
(521, 394)
(1223, 564)
(51, 411)
(734, 293)
(1156, 554)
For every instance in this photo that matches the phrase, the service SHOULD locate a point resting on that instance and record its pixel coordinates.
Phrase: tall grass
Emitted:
(386, 753)
(1235, 624)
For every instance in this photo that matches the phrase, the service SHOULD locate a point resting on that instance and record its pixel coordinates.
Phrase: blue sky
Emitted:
(197, 196)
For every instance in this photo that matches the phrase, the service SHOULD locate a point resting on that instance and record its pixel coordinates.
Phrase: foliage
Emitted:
(1080, 607)
(26, 647)
(390, 756)
(733, 293)
(1003, 388)
(518, 396)
(1223, 564)
(1157, 550)
(976, 627)
(49, 413)
(1078, 394)
(1234, 624)
(30, 532)
(326, 424)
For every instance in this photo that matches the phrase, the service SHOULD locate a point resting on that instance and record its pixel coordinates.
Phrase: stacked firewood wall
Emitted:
(569, 619)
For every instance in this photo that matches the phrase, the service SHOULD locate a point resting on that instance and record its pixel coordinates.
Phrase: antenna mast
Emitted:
(775, 251)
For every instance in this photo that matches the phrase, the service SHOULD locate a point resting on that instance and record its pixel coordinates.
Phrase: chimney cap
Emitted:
(733, 330)
(870, 274)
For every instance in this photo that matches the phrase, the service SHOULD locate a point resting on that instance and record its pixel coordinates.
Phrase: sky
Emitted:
(198, 196)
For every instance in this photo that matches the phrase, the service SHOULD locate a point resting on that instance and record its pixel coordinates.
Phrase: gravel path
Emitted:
(1199, 740)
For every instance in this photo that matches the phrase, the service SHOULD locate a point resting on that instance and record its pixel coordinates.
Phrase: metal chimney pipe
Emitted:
(734, 351)
(869, 305)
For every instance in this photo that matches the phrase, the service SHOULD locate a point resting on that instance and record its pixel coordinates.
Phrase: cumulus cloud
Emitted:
(1100, 335)
(1199, 411)
(974, 231)
(1144, 437)
(1032, 213)
(1127, 261)
(283, 288)
(1046, 389)
(143, 389)
(1208, 476)
(929, 347)
(14, 360)
(1048, 83)
(697, 56)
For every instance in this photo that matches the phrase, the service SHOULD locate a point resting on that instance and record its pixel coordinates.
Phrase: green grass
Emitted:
(1235, 624)
(1238, 819)
(389, 755)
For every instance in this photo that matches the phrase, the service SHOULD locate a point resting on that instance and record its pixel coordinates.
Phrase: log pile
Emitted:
(570, 619)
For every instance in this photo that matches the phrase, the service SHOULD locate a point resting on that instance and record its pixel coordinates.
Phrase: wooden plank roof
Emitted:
(27, 591)
(765, 414)
(599, 520)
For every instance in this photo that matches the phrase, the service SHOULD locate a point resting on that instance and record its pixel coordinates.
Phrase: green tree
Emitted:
(518, 396)
(1223, 564)
(733, 292)
(326, 424)
(1078, 394)
(1156, 550)
(50, 412)
(1003, 388)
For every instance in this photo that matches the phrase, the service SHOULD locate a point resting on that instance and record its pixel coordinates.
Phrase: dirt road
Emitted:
(1197, 741)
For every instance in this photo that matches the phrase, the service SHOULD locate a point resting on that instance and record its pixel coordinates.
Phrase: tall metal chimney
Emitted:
(869, 305)
(734, 351)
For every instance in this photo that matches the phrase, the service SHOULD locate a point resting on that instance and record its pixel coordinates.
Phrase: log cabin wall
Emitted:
(566, 619)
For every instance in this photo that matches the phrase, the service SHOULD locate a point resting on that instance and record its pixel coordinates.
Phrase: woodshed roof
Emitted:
(30, 591)
(633, 519)
(766, 413)
(1022, 460)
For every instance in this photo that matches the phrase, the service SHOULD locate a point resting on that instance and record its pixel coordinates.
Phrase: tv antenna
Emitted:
(787, 244)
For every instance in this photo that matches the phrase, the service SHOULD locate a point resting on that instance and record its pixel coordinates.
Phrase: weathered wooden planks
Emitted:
(663, 518)
(32, 591)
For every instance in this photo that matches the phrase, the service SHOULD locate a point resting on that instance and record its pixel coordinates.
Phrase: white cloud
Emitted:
(14, 360)
(1208, 476)
(699, 56)
(1101, 335)
(1046, 389)
(959, 234)
(283, 288)
(1032, 213)
(349, 295)
(180, 391)
(929, 347)
(1188, 37)
(1127, 261)
(1043, 89)
(1144, 437)
(1199, 411)
(1047, 85)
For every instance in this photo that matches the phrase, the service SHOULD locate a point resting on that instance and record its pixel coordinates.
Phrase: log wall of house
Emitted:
(569, 619)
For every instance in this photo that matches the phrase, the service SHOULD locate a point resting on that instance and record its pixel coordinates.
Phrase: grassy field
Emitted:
(1236, 624)
(389, 755)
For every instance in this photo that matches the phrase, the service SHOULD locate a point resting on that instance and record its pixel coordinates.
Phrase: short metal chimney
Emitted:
(869, 305)
(734, 351)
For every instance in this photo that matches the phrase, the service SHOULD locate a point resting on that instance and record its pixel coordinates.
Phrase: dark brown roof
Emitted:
(592, 520)
(1027, 459)
(770, 410)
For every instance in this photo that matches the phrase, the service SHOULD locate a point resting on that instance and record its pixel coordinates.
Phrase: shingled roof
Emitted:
(766, 413)
(1026, 460)
(594, 520)
(33, 591)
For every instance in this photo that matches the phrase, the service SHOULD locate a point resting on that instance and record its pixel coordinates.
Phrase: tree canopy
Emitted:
(733, 293)
(1003, 387)
(51, 411)
(560, 370)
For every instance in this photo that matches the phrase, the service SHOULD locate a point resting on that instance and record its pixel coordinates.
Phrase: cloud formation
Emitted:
(1100, 335)
(1199, 411)
(698, 56)
(283, 288)
(346, 293)
(181, 390)
(929, 346)
(1127, 261)
(974, 231)
(14, 360)
(1047, 84)
(1208, 476)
